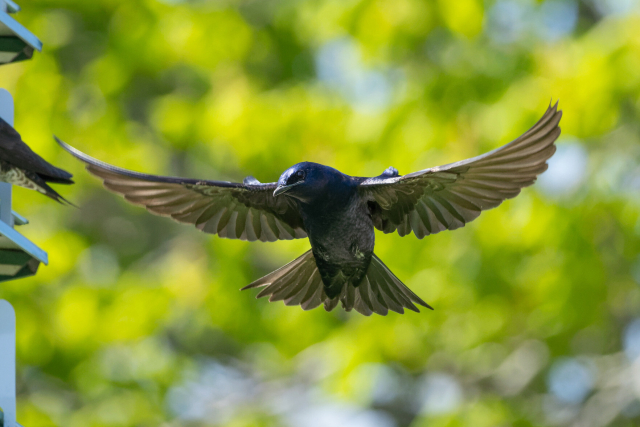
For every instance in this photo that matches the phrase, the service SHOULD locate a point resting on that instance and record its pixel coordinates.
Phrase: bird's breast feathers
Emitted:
(16, 176)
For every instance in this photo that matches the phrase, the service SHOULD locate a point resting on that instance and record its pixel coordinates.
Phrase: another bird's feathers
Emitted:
(20, 166)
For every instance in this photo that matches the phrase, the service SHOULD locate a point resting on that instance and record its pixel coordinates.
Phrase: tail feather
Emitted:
(57, 179)
(53, 194)
(392, 287)
(360, 305)
(296, 299)
(299, 283)
(33, 181)
(315, 296)
(331, 303)
(275, 275)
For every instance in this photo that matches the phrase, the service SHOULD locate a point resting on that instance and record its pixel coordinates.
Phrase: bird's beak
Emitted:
(284, 188)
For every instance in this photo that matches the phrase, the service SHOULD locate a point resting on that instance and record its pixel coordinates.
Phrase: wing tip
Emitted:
(424, 304)
(64, 145)
(80, 155)
(418, 300)
(255, 284)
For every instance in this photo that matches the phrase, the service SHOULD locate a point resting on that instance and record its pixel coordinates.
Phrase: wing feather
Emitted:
(447, 197)
(246, 211)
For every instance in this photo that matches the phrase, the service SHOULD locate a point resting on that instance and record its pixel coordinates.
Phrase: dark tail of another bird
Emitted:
(299, 283)
(44, 188)
(50, 192)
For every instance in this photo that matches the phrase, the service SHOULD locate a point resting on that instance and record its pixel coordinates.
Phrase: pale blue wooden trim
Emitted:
(12, 7)
(19, 219)
(21, 31)
(25, 244)
(8, 363)
(7, 114)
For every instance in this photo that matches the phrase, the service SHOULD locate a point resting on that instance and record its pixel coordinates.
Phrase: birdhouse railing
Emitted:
(19, 257)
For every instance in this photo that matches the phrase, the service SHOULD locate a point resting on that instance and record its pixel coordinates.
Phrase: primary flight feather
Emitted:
(338, 213)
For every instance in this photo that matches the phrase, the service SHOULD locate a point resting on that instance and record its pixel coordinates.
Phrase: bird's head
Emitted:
(305, 181)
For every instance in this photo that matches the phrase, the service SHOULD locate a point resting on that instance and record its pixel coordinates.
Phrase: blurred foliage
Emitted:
(138, 321)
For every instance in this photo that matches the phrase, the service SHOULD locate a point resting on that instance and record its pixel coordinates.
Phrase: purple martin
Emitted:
(19, 165)
(338, 213)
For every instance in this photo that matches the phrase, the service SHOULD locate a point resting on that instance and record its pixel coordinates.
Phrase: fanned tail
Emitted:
(299, 283)
(381, 291)
(296, 283)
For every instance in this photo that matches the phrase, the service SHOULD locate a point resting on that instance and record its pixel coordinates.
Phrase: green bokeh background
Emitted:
(138, 321)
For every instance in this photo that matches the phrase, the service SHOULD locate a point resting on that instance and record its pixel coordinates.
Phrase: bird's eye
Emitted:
(296, 177)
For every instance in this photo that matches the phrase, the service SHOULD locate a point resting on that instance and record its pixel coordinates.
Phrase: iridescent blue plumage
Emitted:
(337, 221)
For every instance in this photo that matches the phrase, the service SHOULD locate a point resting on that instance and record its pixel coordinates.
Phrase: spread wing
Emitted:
(447, 197)
(246, 211)
(15, 152)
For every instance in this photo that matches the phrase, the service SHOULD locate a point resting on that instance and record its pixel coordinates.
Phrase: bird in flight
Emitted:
(338, 213)
(19, 165)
